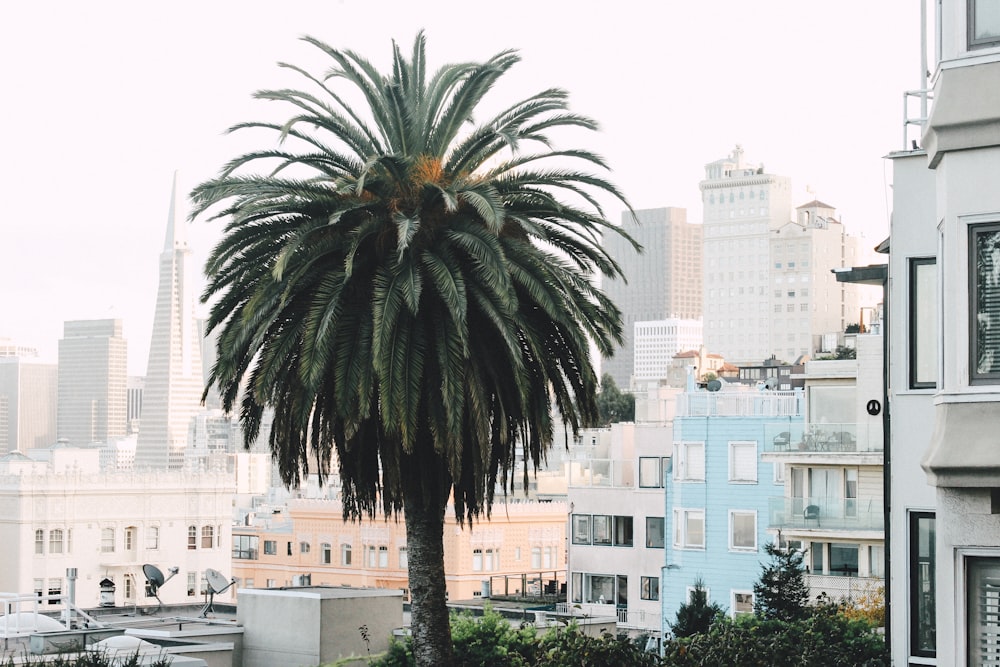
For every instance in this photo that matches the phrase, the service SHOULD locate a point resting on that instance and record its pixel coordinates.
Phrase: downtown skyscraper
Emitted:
(174, 381)
(92, 379)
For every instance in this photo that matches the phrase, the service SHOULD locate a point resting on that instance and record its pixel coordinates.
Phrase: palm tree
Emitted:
(411, 293)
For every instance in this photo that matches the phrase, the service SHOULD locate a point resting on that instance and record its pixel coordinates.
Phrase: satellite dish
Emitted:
(154, 580)
(217, 583)
(714, 385)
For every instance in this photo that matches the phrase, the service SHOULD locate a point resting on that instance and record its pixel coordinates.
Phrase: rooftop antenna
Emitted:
(154, 579)
(217, 583)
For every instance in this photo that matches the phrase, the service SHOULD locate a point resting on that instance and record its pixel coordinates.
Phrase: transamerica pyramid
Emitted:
(174, 381)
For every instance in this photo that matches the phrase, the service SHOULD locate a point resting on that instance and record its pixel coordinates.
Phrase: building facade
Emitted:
(92, 382)
(718, 493)
(944, 370)
(63, 512)
(522, 544)
(174, 381)
(768, 287)
(28, 393)
(832, 504)
(664, 282)
(656, 344)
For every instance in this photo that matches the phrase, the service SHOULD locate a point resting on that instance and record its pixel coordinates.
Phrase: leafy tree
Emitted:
(781, 592)
(696, 615)
(613, 404)
(411, 293)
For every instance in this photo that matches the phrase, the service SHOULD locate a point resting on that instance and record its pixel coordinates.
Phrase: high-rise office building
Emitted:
(768, 286)
(172, 393)
(27, 403)
(664, 282)
(92, 361)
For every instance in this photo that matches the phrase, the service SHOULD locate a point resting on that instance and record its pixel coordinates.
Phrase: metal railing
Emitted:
(741, 404)
(923, 96)
(826, 513)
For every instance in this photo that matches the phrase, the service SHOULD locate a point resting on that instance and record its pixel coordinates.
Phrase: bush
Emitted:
(696, 616)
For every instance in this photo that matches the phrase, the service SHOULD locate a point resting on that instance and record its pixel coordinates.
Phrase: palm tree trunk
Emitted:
(429, 621)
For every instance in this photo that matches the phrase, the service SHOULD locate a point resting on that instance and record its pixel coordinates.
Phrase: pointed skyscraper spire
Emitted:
(172, 394)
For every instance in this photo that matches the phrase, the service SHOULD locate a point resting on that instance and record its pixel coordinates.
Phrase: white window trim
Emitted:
(733, 445)
(680, 516)
(732, 547)
(732, 601)
(778, 472)
(680, 465)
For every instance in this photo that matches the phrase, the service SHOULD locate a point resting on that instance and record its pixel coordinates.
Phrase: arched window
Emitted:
(192, 537)
(55, 541)
(207, 537)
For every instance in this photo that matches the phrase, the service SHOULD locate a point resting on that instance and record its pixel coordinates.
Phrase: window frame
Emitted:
(658, 484)
(734, 446)
(39, 542)
(646, 588)
(207, 537)
(732, 602)
(732, 531)
(192, 543)
(326, 553)
(346, 554)
(972, 43)
(976, 377)
(107, 540)
(622, 530)
(663, 534)
(270, 547)
(681, 529)
(682, 465)
(582, 536)
(56, 541)
(913, 563)
(152, 538)
(918, 330)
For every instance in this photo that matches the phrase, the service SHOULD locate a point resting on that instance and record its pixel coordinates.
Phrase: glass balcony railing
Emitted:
(826, 513)
(741, 404)
(824, 438)
(611, 473)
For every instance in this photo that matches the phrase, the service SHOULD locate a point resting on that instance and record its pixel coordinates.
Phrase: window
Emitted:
(923, 628)
(325, 553)
(599, 588)
(536, 558)
(844, 559)
(581, 529)
(55, 541)
(192, 583)
(383, 556)
(982, 609)
(547, 557)
(743, 462)
(107, 540)
(304, 547)
(69, 540)
(984, 24)
(345, 554)
(491, 562)
(743, 530)
(477, 560)
(207, 537)
(779, 473)
(372, 558)
(923, 323)
(192, 537)
(602, 529)
(39, 541)
(245, 547)
(984, 310)
(270, 547)
(689, 529)
(649, 588)
(651, 471)
(55, 590)
(288, 548)
(403, 561)
(153, 537)
(130, 538)
(654, 532)
(129, 588)
(689, 465)
(742, 603)
(623, 531)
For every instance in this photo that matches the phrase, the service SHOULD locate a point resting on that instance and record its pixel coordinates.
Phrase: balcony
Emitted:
(741, 404)
(824, 439)
(606, 473)
(842, 588)
(826, 513)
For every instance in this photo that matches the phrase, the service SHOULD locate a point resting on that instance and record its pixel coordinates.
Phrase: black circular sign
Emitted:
(874, 407)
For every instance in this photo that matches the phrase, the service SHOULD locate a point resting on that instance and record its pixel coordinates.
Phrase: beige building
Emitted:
(309, 543)
(28, 390)
(92, 382)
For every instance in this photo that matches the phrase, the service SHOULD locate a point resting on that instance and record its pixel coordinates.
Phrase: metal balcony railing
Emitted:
(826, 513)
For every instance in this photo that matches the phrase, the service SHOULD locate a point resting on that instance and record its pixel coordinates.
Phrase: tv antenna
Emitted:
(155, 579)
(217, 583)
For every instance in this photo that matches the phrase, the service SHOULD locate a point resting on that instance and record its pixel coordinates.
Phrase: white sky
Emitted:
(103, 100)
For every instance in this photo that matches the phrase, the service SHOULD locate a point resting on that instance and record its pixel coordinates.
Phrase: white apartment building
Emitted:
(656, 343)
(616, 549)
(64, 512)
(767, 284)
(944, 361)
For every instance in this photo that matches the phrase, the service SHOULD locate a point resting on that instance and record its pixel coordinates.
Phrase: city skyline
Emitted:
(672, 87)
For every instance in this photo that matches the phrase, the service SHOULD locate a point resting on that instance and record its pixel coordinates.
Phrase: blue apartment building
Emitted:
(718, 491)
